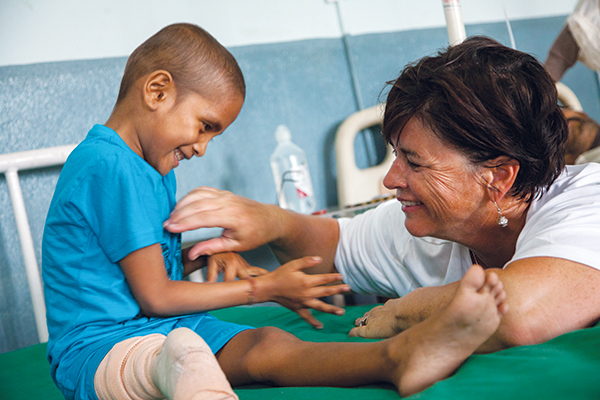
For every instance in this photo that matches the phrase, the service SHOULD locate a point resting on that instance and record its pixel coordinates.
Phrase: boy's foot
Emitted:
(441, 343)
(186, 369)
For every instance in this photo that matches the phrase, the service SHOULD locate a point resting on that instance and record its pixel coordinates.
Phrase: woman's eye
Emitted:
(405, 158)
(412, 164)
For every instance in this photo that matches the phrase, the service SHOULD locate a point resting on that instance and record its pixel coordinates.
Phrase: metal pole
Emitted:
(10, 164)
(367, 134)
(31, 267)
(454, 21)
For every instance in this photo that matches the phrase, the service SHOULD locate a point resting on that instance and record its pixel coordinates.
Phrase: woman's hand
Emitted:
(397, 315)
(246, 223)
(289, 286)
(379, 322)
(233, 266)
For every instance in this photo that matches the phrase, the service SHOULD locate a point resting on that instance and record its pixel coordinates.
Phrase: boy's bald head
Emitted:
(196, 61)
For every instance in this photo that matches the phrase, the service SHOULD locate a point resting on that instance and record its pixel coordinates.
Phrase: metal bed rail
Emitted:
(10, 165)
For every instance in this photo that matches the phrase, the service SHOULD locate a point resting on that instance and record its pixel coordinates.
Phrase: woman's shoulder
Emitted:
(575, 181)
(580, 175)
(565, 221)
(573, 198)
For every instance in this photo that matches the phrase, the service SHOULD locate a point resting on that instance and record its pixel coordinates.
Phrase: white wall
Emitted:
(33, 31)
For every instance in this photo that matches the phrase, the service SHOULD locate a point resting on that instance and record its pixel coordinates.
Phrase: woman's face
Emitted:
(437, 186)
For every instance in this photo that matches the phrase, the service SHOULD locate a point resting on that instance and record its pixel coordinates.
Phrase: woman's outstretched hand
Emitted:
(377, 323)
(289, 286)
(246, 223)
(397, 315)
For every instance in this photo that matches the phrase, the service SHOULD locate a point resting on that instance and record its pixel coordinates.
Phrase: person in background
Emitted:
(123, 322)
(584, 134)
(480, 179)
(579, 40)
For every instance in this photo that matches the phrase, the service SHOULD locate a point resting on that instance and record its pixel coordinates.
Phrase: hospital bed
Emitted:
(565, 367)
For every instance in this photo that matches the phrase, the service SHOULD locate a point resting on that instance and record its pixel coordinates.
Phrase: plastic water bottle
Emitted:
(290, 172)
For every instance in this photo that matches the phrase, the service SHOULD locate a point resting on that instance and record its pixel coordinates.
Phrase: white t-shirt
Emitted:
(377, 255)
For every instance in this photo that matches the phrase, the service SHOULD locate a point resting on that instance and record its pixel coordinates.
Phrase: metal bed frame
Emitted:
(10, 165)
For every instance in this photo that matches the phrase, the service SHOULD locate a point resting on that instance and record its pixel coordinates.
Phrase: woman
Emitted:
(480, 179)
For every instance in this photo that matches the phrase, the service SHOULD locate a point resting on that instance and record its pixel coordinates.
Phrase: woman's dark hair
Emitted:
(486, 100)
(195, 59)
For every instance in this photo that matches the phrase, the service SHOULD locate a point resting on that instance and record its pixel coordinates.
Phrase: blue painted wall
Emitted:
(305, 85)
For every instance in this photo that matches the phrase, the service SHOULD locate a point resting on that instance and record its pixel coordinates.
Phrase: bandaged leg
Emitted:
(186, 369)
(181, 367)
(125, 372)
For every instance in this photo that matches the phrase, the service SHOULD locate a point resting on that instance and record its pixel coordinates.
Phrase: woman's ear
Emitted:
(500, 175)
(158, 88)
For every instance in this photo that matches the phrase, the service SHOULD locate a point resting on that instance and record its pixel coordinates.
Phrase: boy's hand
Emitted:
(289, 286)
(232, 265)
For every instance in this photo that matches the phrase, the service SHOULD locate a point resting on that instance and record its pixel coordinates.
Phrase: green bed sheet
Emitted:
(567, 367)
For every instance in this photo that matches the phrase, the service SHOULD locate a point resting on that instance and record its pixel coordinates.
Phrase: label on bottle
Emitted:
(293, 184)
(302, 183)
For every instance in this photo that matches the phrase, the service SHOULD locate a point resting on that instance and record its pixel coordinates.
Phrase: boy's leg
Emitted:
(412, 360)
(179, 366)
(124, 373)
(186, 369)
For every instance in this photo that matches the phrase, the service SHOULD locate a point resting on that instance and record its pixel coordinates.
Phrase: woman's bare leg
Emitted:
(412, 360)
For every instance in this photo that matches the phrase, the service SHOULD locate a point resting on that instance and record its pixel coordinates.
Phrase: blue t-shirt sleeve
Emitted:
(123, 205)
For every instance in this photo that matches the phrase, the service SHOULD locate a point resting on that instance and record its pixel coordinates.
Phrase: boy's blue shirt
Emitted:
(108, 203)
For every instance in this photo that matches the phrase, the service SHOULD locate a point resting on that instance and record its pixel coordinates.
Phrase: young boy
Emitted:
(122, 322)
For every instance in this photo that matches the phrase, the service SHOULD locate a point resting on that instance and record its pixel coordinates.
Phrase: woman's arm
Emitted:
(157, 295)
(248, 224)
(546, 297)
(308, 235)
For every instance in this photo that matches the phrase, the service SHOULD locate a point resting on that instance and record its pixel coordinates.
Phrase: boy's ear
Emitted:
(158, 88)
(500, 175)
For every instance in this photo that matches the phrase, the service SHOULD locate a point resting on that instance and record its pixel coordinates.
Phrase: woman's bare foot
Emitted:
(435, 348)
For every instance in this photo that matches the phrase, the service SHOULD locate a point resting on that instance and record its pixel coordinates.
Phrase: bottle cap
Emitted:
(282, 134)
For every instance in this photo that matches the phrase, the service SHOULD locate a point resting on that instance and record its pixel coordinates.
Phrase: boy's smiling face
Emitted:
(182, 129)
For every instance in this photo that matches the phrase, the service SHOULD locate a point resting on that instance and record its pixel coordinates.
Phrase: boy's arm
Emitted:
(159, 296)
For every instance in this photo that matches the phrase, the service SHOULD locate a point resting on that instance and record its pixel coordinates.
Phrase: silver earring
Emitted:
(502, 220)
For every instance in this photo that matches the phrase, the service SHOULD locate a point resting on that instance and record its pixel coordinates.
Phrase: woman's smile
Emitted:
(408, 206)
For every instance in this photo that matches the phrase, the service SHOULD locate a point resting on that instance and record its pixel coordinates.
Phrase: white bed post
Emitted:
(10, 165)
(31, 266)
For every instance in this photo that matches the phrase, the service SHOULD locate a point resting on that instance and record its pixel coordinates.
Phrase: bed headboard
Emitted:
(10, 165)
